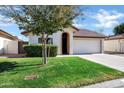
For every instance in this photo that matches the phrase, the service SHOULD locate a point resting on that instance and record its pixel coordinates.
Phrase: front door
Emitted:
(64, 43)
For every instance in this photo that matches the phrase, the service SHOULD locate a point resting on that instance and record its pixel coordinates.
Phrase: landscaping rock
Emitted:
(31, 77)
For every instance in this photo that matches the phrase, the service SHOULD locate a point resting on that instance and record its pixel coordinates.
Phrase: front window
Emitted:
(49, 41)
(39, 41)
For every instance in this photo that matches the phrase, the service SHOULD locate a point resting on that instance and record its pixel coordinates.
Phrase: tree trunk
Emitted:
(45, 53)
(44, 50)
(49, 49)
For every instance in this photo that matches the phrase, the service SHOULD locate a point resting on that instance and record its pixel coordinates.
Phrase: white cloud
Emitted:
(5, 21)
(20, 37)
(79, 25)
(107, 19)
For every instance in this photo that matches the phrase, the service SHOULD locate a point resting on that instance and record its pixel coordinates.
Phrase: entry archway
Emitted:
(65, 43)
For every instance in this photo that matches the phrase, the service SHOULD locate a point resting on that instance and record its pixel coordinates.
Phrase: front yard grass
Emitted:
(59, 72)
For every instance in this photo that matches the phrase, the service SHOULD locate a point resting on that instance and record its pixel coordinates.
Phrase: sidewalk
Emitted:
(117, 83)
(12, 56)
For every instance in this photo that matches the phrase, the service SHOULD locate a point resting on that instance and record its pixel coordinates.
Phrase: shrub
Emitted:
(36, 50)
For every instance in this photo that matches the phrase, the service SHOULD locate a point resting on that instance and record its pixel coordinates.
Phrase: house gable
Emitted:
(72, 28)
(7, 35)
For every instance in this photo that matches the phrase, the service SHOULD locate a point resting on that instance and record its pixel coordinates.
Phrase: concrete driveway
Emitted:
(113, 61)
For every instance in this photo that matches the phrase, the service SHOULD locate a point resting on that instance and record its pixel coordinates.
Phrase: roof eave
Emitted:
(87, 37)
(7, 35)
(27, 32)
(113, 38)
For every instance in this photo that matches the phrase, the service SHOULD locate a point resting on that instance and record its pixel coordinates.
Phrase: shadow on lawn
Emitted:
(6, 66)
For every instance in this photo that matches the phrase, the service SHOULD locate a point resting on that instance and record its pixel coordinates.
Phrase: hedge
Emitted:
(36, 50)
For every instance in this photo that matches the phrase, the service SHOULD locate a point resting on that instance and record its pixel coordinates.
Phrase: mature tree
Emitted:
(119, 29)
(42, 20)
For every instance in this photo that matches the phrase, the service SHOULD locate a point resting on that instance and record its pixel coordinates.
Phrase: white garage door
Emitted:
(86, 46)
(11, 47)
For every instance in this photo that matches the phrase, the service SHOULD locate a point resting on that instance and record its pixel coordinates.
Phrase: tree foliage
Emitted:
(119, 29)
(42, 20)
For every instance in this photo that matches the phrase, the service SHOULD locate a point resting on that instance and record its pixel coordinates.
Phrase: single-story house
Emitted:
(114, 43)
(9, 44)
(73, 41)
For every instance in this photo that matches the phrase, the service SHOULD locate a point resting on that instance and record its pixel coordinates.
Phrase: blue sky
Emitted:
(101, 18)
(98, 18)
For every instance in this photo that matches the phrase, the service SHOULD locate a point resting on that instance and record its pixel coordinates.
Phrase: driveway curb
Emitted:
(117, 83)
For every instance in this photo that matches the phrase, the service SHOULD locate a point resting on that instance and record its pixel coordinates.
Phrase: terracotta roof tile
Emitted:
(120, 36)
(87, 33)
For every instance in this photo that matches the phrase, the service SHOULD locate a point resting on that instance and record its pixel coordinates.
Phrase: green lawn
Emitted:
(59, 72)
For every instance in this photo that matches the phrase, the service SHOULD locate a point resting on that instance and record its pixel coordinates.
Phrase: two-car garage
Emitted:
(86, 41)
(83, 45)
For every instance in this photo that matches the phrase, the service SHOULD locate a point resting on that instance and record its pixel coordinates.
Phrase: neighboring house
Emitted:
(9, 44)
(72, 41)
(114, 43)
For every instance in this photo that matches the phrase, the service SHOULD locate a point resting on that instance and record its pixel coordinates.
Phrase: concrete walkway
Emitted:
(118, 83)
(113, 61)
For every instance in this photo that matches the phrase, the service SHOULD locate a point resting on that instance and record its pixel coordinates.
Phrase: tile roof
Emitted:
(120, 36)
(88, 33)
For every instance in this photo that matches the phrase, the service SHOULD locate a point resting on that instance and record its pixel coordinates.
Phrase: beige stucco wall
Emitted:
(102, 45)
(114, 45)
(57, 39)
(1, 45)
(8, 46)
(33, 39)
(122, 48)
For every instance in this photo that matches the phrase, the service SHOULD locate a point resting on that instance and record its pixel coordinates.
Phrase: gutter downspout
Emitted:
(120, 50)
(102, 46)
